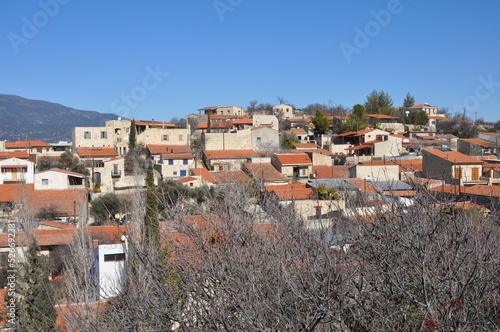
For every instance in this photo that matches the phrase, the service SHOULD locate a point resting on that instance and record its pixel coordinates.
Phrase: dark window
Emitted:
(170, 161)
(183, 173)
(185, 161)
(114, 257)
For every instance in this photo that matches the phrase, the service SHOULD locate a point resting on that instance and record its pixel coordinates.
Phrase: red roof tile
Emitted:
(422, 106)
(229, 176)
(265, 172)
(54, 237)
(65, 172)
(291, 191)
(294, 159)
(204, 174)
(481, 142)
(26, 144)
(248, 122)
(96, 152)
(454, 156)
(186, 179)
(490, 134)
(14, 154)
(330, 172)
(306, 145)
(363, 185)
(215, 125)
(177, 156)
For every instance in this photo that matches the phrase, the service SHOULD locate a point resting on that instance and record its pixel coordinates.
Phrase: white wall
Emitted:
(108, 276)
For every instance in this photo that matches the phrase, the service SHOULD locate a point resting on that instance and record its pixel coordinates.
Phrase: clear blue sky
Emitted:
(91, 54)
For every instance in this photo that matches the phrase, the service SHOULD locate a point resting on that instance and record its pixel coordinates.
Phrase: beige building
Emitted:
(261, 120)
(116, 134)
(259, 138)
(284, 111)
(223, 110)
(297, 166)
(451, 166)
(227, 160)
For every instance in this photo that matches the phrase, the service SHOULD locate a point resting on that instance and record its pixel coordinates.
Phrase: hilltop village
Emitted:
(320, 166)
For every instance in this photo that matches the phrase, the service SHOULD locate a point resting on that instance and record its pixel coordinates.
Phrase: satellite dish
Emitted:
(119, 118)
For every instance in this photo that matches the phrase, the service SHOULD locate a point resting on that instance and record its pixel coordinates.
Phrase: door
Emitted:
(475, 174)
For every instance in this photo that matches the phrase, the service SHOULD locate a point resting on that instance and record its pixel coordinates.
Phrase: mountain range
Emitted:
(27, 119)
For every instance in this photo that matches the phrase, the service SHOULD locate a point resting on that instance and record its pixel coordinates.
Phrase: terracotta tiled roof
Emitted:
(265, 172)
(294, 159)
(68, 312)
(362, 185)
(469, 205)
(481, 142)
(229, 176)
(12, 193)
(186, 179)
(14, 154)
(67, 202)
(177, 156)
(96, 152)
(297, 131)
(454, 157)
(306, 145)
(478, 190)
(291, 191)
(299, 119)
(230, 154)
(422, 106)
(339, 117)
(54, 237)
(355, 133)
(167, 148)
(248, 122)
(490, 134)
(203, 173)
(26, 144)
(330, 172)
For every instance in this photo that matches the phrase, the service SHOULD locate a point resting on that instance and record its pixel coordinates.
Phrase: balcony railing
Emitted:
(116, 174)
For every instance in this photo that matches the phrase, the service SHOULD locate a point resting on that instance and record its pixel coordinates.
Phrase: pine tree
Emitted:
(409, 101)
(321, 123)
(132, 141)
(152, 225)
(36, 305)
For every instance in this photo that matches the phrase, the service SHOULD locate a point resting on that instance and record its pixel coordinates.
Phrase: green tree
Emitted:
(320, 122)
(358, 113)
(324, 193)
(346, 126)
(132, 141)
(378, 102)
(105, 207)
(418, 118)
(36, 305)
(289, 141)
(409, 101)
(152, 224)
(70, 162)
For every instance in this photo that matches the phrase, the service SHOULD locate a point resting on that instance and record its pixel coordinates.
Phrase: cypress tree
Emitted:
(132, 141)
(36, 304)
(151, 223)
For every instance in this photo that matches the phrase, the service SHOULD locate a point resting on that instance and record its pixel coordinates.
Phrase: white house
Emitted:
(59, 179)
(108, 269)
(15, 170)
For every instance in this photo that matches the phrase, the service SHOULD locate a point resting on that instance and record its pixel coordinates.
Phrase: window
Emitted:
(170, 161)
(174, 173)
(180, 137)
(114, 257)
(458, 173)
(86, 135)
(184, 161)
(475, 174)
(164, 137)
(45, 182)
(104, 134)
(183, 172)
